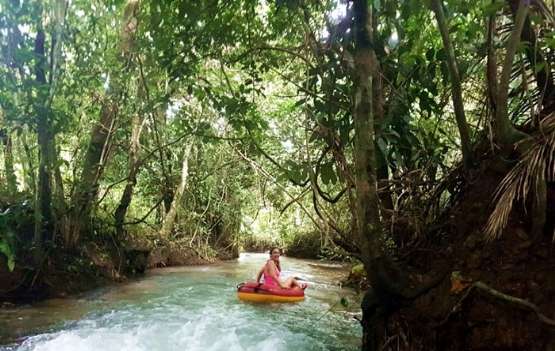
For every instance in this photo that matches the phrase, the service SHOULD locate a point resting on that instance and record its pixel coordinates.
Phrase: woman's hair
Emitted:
(270, 252)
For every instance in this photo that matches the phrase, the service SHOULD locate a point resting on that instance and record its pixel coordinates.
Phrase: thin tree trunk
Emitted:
(60, 205)
(456, 95)
(58, 14)
(534, 55)
(167, 189)
(127, 195)
(169, 219)
(505, 132)
(27, 163)
(11, 179)
(158, 115)
(98, 149)
(44, 224)
(491, 66)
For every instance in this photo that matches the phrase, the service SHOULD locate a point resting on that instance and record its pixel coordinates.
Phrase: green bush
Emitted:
(303, 244)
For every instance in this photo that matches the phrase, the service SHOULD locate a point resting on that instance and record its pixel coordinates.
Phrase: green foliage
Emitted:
(5, 248)
(13, 217)
(264, 93)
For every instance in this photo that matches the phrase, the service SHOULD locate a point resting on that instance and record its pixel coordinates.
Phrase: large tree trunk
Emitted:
(367, 221)
(388, 282)
(87, 189)
(98, 149)
(456, 95)
(125, 201)
(367, 210)
(169, 219)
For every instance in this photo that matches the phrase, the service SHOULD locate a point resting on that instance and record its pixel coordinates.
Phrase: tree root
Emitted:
(499, 295)
(515, 300)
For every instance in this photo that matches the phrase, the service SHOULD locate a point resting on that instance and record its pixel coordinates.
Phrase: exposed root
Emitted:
(499, 295)
(515, 300)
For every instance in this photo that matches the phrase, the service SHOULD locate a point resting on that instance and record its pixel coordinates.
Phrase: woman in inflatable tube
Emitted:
(271, 270)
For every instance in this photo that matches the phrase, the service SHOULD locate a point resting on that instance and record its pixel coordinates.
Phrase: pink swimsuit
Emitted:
(268, 280)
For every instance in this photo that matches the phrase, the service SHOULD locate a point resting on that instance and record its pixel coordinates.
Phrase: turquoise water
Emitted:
(192, 308)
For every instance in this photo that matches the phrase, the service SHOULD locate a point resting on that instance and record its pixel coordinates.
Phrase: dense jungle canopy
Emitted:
(414, 137)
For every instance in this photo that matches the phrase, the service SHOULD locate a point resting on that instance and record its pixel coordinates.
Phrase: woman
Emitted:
(271, 271)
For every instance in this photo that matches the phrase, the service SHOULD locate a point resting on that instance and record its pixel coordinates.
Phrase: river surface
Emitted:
(192, 308)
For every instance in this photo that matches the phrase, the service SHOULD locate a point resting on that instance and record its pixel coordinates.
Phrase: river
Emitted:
(192, 308)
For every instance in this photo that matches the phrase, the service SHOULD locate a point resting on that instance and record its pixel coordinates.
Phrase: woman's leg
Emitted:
(289, 282)
(292, 283)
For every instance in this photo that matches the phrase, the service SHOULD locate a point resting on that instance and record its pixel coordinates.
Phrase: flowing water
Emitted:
(192, 308)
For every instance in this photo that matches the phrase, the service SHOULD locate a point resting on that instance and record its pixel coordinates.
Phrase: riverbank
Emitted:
(64, 273)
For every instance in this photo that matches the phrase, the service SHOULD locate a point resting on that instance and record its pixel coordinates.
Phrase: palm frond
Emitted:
(536, 166)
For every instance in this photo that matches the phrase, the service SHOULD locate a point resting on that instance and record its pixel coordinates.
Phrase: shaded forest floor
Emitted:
(454, 316)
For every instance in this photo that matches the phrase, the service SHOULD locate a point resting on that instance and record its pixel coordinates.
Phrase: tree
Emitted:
(98, 150)
(466, 145)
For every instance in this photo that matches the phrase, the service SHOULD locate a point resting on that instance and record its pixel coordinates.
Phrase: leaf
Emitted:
(539, 67)
(382, 146)
(299, 103)
(344, 302)
(321, 106)
(492, 8)
(7, 251)
(313, 136)
(430, 54)
(328, 174)
(458, 282)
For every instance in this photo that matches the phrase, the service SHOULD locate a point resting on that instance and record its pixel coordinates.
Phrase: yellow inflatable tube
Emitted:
(256, 292)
